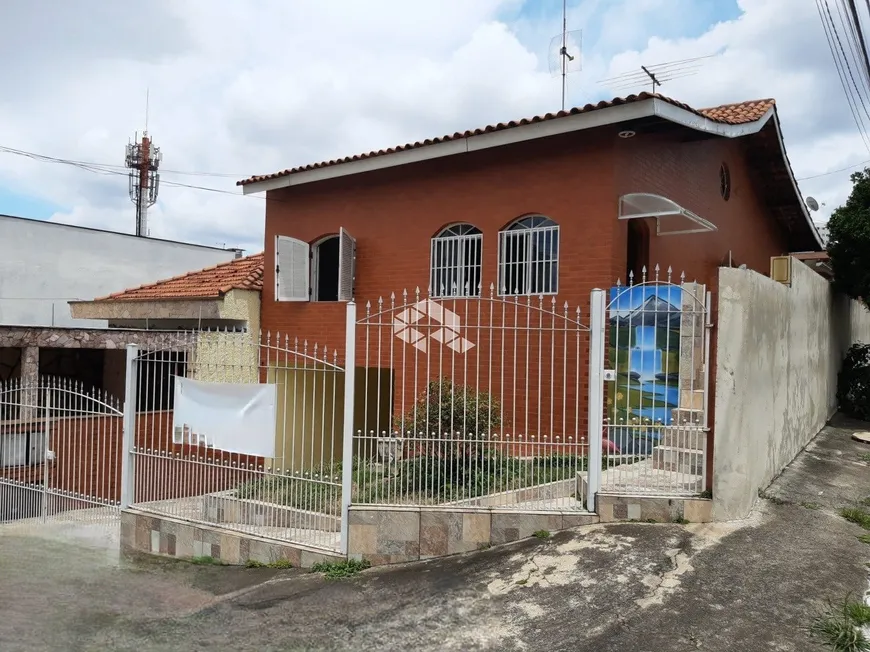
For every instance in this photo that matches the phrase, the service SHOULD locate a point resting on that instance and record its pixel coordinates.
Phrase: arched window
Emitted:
(528, 257)
(457, 253)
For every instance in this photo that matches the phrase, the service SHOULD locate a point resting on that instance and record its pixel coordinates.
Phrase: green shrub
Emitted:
(445, 478)
(335, 570)
(445, 409)
(853, 383)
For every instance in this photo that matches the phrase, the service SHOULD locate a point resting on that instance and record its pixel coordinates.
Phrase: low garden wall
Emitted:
(390, 535)
(170, 537)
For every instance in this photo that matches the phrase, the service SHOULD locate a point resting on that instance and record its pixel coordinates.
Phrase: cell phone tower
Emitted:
(143, 159)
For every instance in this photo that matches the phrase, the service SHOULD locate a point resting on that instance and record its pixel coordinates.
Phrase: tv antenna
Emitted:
(656, 74)
(565, 52)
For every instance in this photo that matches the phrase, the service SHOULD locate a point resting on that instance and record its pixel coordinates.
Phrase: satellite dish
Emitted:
(812, 204)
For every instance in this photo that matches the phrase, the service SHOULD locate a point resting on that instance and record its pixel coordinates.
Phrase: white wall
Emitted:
(779, 349)
(45, 265)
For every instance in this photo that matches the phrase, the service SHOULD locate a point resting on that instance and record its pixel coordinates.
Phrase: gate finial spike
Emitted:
(643, 274)
(682, 277)
(491, 290)
(657, 272)
(631, 278)
(670, 272)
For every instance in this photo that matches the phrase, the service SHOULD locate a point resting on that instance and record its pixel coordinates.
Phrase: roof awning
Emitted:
(671, 218)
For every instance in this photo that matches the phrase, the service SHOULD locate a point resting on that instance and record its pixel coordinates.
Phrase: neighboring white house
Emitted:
(823, 232)
(44, 265)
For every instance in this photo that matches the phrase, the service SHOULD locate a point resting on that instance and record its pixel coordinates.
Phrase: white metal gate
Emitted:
(60, 452)
(178, 470)
(654, 345)
(469, 402)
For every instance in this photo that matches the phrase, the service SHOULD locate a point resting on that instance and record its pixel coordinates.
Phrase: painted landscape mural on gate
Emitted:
(644, 350)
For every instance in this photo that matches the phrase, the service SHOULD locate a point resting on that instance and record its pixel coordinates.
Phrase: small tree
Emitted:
(445, 409)
(849, 241)
(452, 458)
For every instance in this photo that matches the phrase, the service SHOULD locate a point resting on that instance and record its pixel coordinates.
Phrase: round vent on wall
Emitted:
(724, 182)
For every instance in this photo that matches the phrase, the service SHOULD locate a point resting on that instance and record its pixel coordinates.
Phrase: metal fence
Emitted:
(59, 452)
(474, 402)
(293, 494)
(469, 401)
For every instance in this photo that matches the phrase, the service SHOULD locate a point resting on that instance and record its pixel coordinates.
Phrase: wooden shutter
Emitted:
(346, 265)
(292, 260)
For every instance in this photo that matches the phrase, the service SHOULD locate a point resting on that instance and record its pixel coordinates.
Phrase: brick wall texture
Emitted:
(575, 180)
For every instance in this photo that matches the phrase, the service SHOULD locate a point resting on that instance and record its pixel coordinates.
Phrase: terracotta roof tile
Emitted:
(738, 113)
(211, 282)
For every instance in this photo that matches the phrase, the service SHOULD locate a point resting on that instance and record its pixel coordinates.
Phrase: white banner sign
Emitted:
(235, 417)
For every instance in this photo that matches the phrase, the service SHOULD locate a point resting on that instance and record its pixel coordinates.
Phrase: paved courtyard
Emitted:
(751, 585)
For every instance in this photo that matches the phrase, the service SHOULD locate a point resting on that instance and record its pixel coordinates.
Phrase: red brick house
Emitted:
(552, 205)
(726, 164)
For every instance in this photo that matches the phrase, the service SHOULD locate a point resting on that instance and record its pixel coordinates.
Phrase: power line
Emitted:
(825, 174)
(117, 170)
(829, 28)
(110, 167)
(846, 58)
(860, 34)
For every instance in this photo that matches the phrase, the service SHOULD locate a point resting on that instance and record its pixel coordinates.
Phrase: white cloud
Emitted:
(246, 88)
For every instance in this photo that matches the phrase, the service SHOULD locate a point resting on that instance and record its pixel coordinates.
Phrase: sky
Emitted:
(236, 89)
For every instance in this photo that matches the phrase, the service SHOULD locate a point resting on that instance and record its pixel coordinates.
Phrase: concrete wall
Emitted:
(778, 353)
(44, 265)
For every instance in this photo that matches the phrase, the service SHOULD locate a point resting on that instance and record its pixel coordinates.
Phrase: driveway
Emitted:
(752, 585)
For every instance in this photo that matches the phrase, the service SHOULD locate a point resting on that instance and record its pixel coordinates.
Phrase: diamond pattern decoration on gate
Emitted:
(434, 314)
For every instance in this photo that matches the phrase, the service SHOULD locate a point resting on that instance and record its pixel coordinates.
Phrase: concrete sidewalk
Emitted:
(751, 585)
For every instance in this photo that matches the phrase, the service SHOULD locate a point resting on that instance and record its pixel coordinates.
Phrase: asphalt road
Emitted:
(749, 585)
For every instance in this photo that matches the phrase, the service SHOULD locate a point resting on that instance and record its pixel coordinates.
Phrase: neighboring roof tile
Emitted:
(739, 113)
(211, 282)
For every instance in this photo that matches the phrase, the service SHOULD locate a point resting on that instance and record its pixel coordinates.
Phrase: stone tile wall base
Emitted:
(391, 535)
(612, 508)
(169, 537)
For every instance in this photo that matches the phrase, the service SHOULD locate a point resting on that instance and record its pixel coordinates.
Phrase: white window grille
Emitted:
(457, 257)
(528, 257)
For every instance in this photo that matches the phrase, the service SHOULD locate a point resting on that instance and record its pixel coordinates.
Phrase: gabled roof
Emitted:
(209, 283)
(726, 114)
(756, 119)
